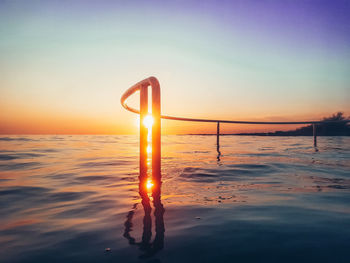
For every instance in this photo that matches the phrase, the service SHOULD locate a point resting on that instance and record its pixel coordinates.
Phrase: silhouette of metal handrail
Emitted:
(137, 86)
(153, 82)
(142, 86)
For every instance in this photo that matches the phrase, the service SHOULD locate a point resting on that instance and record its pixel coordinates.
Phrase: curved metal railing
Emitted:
(142, 86)
(153, 80)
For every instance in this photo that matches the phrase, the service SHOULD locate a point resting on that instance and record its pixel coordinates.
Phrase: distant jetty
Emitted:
(337, 128)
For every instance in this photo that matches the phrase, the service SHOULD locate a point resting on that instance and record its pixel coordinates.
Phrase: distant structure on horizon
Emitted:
(337, 128)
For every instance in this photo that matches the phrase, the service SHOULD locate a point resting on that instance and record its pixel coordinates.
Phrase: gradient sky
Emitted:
(65, 64)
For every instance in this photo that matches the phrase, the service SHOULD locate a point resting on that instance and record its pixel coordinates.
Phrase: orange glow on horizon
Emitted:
(17, 119)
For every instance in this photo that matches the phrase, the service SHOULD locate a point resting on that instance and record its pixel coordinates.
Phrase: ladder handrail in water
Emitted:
(137, 86)
(142, 86)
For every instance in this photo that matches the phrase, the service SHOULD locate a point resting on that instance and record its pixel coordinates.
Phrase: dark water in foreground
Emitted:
(268, 199)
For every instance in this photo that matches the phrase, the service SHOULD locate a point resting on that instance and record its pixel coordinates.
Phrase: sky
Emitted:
(65, 64)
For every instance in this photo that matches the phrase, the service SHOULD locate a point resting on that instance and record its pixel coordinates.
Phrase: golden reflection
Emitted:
(149, 188)
(147, 247)
(149, 184)
(149, 149)
(148, 122)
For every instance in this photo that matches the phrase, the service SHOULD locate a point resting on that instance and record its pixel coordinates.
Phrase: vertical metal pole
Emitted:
(218, 134)
(218, 141)
(156, 137)
(314, 133)
(143, 136)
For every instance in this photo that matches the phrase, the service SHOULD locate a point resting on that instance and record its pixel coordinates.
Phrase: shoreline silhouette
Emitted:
(338, 128)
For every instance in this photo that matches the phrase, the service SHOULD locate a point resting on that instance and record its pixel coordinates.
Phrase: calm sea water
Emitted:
(265, 199)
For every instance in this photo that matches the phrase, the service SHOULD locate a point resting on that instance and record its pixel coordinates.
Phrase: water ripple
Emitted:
(68, 198)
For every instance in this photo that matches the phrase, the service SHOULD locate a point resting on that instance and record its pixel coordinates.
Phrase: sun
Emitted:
(148, 121)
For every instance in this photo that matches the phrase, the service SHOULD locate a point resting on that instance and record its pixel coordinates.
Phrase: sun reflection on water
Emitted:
(149, 184)
(149, 149)
(148, 122)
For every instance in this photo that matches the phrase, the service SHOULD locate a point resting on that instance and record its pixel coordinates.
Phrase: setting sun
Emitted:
(148, 121)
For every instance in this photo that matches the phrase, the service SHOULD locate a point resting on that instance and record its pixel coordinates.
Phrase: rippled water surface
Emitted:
(272, 199)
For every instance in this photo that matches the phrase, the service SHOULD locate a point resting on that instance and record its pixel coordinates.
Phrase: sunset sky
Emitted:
(65, 64)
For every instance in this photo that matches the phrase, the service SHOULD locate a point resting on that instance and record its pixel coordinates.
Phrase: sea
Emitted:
(253, 199)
